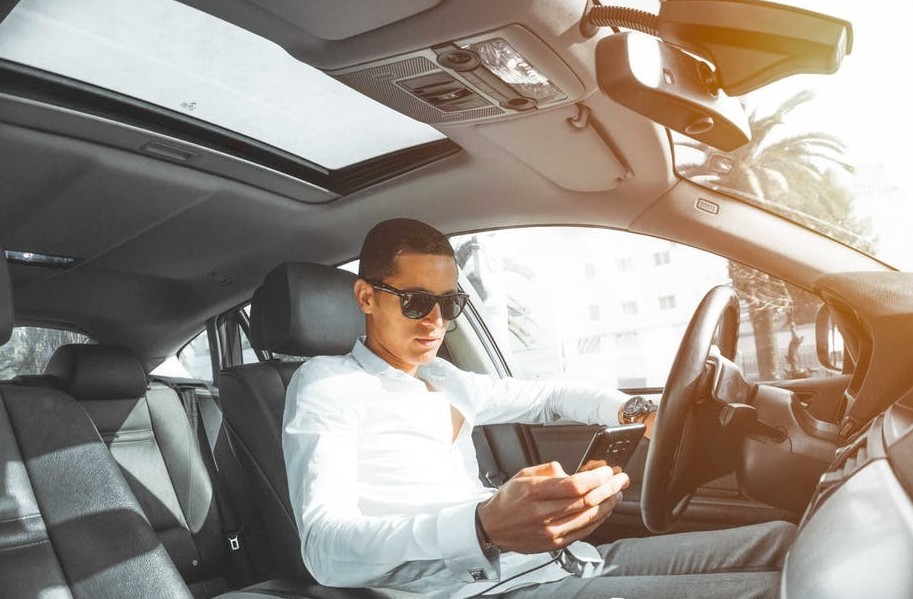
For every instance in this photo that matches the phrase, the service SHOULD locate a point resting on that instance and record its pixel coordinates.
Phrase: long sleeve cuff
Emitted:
(456, 529)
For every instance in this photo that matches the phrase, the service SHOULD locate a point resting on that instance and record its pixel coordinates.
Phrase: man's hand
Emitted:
(543, 509)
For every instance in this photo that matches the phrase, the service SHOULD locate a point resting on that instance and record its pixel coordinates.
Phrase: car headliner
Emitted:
(165, 245)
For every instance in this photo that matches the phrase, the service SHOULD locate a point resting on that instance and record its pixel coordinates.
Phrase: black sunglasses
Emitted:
(418, 304)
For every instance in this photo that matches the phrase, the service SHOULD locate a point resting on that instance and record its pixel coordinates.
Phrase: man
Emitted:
(383, 474)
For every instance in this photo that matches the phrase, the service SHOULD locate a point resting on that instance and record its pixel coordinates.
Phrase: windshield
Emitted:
(174, 56)
(829, 151)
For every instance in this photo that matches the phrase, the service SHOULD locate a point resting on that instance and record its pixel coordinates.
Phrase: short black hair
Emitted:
(390, 238)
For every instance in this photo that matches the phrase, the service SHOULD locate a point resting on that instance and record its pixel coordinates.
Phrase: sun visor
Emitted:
(564, 145)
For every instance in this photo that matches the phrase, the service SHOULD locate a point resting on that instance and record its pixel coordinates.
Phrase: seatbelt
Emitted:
(490, 472)
(232, 531)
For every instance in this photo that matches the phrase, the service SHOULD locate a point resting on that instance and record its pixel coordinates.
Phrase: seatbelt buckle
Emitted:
(234, 540)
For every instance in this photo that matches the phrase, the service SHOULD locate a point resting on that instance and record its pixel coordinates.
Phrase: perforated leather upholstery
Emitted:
(147, 431)
(70, 526)
(301, 309)
(305, 309)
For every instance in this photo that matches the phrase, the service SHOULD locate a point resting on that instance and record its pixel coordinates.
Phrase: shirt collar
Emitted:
(368, 360)
(374, 364)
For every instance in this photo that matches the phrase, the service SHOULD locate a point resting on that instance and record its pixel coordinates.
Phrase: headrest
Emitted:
(305, 309)
(98, 372)
(6, 301)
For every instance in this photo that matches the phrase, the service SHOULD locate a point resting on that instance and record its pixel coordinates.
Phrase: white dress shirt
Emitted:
(383, 495)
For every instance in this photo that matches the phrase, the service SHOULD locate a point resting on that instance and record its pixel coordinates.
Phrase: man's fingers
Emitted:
(576, 485)
(549, 469)
(613, 487)
(592, 489)
(576, 526)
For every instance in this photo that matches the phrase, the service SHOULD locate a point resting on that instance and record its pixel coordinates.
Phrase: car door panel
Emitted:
(718, 504)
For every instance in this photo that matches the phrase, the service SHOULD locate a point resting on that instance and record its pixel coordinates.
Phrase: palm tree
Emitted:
(796, 176)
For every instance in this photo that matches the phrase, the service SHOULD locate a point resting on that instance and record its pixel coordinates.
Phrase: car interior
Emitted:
(185, 187)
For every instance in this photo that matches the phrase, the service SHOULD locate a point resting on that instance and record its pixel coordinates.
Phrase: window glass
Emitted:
(248, 354)
(187, 61)
(30, 348)
(192, 362)
(620, 322)
(830, 153)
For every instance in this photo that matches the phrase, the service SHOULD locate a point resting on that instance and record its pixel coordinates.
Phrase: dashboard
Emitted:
(856, 536)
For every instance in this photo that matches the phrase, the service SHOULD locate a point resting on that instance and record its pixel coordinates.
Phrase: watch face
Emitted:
(634, 406)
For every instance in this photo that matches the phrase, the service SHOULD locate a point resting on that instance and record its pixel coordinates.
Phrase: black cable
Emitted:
(629, 18)
(524, 573)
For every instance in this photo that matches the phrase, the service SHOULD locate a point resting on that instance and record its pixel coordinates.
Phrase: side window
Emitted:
(611, 307)
(30, 348)
(248, 354)
(191, 362)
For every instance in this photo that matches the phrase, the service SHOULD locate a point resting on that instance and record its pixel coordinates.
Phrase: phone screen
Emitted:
(612, 446)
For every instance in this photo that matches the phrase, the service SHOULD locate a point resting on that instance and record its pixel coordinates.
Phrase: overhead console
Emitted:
(487, 76)
(484, 79)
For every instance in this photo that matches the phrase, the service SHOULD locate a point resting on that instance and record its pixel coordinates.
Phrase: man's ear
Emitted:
(364, 295)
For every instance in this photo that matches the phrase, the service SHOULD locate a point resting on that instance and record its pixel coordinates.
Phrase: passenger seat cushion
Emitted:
(104, 543)
(98, 372)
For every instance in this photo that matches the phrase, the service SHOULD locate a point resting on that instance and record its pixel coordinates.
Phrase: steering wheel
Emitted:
(667, 484)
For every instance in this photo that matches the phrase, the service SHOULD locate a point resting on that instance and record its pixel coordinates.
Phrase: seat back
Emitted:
(69, 525)
(302, 310)
(147, 431)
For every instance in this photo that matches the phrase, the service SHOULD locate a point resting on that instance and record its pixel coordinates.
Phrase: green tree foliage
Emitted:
(30, 348)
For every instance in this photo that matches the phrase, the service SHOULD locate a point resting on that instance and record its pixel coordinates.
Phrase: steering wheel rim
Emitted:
(666, 492)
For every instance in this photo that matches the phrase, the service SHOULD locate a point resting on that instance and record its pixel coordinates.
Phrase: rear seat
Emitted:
(147, 431)
(69, 525)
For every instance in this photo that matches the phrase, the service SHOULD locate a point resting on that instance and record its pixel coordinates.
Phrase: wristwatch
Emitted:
(634, 408)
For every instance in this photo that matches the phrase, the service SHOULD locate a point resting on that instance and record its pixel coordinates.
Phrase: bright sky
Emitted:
(175, 56)
(866, 105)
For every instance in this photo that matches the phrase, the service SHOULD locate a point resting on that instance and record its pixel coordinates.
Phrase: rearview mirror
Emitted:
(750, 43)
(671, 88)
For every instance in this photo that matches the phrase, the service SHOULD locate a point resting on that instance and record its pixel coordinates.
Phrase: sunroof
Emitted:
(169, 54)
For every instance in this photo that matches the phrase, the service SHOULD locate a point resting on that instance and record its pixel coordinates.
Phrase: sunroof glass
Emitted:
(177, 57)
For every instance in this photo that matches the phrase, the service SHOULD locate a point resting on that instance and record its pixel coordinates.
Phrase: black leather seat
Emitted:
(69, 525)
(148, 433)
(300, 310)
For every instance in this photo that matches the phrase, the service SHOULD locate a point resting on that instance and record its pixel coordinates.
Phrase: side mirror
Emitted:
(828, 340)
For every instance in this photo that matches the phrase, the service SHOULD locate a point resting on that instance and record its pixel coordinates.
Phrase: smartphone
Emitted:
(612, 446)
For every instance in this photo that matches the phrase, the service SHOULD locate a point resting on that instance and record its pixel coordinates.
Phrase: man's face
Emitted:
(402, 342)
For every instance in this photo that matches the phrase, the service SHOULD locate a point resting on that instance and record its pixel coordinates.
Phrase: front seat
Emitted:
(300, 310)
